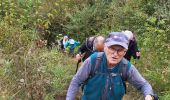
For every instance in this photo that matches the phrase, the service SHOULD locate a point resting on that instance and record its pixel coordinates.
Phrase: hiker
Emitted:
(63, 41)
(103, 73)
(132, 48)
(91, 45)
(72, 44)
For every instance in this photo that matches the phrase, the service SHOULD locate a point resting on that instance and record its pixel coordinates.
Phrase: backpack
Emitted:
(96, 60)
(89, 43)
(71, 41)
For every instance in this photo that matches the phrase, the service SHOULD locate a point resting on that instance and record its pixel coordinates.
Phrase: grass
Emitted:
(48, 76)
(61, 68)
(43, 73)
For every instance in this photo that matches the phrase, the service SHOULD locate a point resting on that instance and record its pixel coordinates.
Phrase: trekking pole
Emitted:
(77, 65)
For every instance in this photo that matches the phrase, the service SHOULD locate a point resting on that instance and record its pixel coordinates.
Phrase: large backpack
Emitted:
(96, 60)
(90, 43)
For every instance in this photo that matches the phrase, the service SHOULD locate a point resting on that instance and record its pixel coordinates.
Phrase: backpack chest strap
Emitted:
(112, 74)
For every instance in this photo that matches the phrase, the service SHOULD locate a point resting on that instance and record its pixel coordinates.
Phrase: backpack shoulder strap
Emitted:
(96, 59)
(124, 70)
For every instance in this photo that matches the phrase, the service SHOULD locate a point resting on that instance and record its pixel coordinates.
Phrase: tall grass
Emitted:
(41, 74)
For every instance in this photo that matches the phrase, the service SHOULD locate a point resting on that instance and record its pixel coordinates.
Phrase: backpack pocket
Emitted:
(93, 88)
(117, 89)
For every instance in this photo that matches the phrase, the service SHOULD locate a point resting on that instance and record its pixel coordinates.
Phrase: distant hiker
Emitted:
(63, 41)
(132, 48)
(72, 44)
(91, 45)
(103, 73)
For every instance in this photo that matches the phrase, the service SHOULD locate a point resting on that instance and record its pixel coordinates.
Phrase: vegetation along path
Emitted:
(32, 68)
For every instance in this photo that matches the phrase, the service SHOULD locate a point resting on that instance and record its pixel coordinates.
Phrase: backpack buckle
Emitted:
(113, 74)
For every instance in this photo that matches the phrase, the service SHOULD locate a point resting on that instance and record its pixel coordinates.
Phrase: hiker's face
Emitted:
(114, 54)
(65, 37)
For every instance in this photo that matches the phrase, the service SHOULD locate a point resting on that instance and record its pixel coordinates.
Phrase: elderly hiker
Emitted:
(103, 73)
(91, 45)
(133, 50)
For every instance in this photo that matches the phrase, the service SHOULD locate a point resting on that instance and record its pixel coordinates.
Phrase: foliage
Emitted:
(43, 73)
(35, 76)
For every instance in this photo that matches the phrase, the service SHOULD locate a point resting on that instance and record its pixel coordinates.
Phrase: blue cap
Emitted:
(117, 38)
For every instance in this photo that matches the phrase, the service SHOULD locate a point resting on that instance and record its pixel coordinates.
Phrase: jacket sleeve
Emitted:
(135, 48)
(80, 77)
(82, 49)
(77, 43)
(135, 78)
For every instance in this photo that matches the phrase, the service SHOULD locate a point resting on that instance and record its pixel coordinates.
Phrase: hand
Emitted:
(148, 97)
(138, 54)
(78, 57)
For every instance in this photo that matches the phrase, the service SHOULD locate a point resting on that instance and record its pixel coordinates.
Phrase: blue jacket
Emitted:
(72, 46)
(97, 87)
